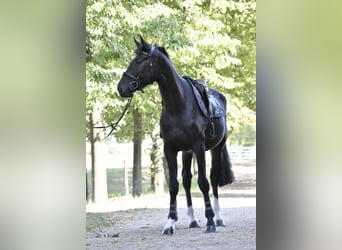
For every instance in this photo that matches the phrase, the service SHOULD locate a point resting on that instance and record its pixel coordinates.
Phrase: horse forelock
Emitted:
(141, 49)
(150, 50)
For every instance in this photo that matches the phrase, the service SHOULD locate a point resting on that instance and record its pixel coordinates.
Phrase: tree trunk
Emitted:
(166, 170)
(137, 141)
(92, 153)
(157, 169)
(159, 181)
(101, 194)
(87, 188)
(99, 174)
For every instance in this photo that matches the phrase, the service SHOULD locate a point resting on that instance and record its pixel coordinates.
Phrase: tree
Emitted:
(137, 141)
(159, 165)
(213, 40)
(99, 174)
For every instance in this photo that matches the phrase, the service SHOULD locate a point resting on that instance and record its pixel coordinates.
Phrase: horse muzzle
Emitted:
(125, 92)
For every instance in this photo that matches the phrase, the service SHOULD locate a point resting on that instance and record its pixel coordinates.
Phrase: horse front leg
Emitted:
(204, 187)
(187, 176)
(171, 157)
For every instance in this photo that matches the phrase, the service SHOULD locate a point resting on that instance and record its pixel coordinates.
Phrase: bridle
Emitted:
(135, 83)
(133, 86)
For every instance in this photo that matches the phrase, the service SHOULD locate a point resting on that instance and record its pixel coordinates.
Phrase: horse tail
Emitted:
(226, 173)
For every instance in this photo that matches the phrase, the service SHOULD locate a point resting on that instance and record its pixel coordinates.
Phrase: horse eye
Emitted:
(138, 61)
(141, 59)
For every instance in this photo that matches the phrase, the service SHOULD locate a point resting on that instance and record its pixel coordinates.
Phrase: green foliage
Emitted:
(245, 136)
(213, 40)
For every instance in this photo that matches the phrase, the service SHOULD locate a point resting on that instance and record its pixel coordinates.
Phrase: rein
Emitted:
(115, 124)
(133, 86)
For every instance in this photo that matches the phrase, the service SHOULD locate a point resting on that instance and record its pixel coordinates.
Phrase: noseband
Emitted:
(135, 83)
(133, 86)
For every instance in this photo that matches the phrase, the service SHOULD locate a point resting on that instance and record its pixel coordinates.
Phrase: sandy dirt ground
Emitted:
(138, 223)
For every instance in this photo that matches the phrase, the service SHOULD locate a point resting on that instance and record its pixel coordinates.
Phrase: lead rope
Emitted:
(114, 125)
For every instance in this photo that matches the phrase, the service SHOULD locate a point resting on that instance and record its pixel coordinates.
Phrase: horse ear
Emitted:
(144, 43)
(136, 42)
(142, 39)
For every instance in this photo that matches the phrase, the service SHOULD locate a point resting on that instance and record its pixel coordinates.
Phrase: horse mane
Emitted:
(163, 51)
(147, 49)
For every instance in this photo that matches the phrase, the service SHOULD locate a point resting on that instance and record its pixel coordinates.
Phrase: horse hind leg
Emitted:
(204, 187)
(221, 173)
(216, 165)
(187, 176)
(218, 218)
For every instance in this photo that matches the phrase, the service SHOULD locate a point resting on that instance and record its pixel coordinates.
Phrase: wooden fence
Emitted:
(118, 161)
(241, 154)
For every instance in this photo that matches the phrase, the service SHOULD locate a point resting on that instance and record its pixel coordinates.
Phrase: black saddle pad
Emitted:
(207, 103)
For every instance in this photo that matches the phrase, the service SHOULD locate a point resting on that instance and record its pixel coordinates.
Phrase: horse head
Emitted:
(140, 70)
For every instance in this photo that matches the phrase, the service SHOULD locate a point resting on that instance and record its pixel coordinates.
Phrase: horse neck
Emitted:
(171, 86)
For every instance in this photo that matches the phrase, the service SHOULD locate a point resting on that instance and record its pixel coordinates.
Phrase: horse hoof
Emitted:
(211, 229)
(169, 231)
(220, 223)
(194, 224)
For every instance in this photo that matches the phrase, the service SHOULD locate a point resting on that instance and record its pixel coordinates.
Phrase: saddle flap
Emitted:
(207, 103)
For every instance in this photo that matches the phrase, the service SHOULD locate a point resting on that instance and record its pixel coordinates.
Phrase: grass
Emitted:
(95, 220)
(116, 181)
(116, 188)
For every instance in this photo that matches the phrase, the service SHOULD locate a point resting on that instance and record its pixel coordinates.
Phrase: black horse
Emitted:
(184, 127)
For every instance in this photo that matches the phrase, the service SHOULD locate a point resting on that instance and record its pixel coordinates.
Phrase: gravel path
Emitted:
(138, 223)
